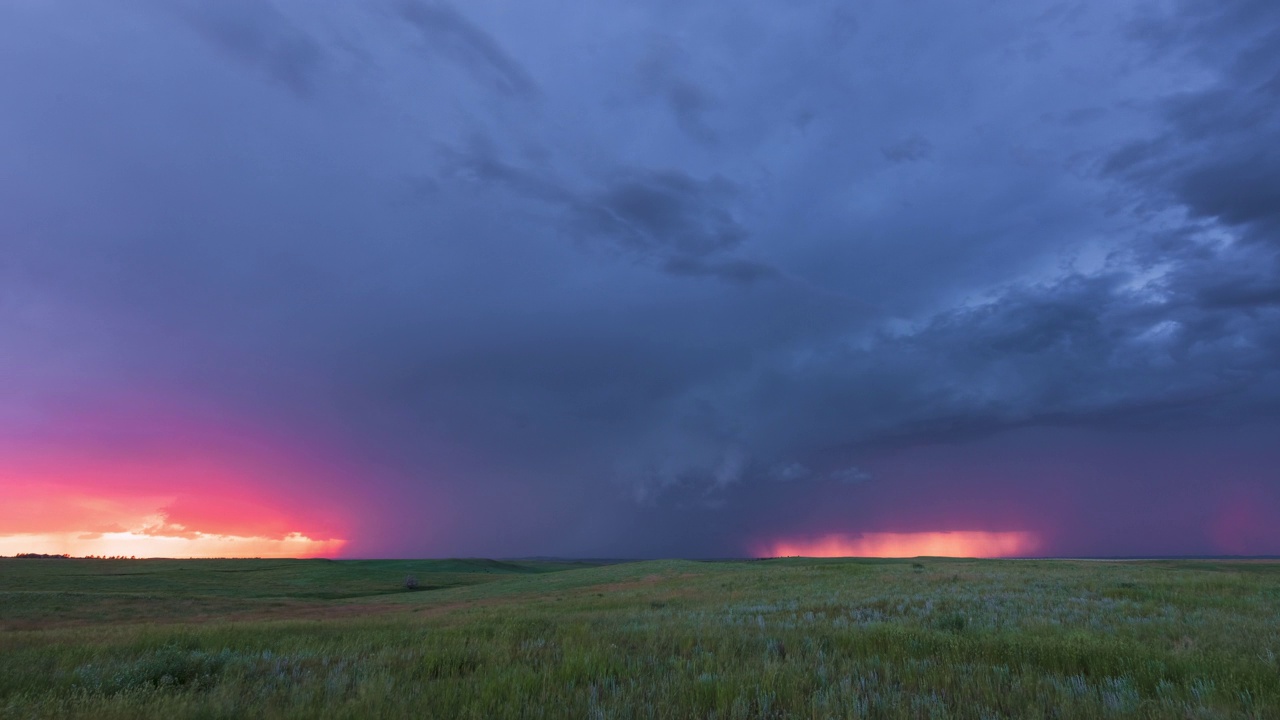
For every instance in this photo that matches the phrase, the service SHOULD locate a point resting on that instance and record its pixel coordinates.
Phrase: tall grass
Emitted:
(792, 638)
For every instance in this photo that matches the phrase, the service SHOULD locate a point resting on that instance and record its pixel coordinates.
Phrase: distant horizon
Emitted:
(618, 560)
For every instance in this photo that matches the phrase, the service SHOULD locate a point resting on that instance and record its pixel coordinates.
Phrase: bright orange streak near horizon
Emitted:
(976, 544)
(192, 545)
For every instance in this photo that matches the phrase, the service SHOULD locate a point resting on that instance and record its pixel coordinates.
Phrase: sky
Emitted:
(406, 278)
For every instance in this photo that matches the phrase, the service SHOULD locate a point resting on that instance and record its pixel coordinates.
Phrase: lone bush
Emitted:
(951, 622)
(410, 582)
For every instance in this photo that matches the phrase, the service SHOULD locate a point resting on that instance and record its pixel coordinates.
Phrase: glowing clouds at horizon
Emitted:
(191, 545)
(80, 524)
(141, 479)
(977, 544)
(1246, 521)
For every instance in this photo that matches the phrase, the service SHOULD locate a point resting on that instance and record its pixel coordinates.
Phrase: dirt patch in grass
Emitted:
(648, 581)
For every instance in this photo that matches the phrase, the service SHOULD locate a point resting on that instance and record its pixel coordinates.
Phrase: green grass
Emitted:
(928, 638)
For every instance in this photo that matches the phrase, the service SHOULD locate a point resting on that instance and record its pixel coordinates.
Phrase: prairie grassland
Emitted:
(929, 638)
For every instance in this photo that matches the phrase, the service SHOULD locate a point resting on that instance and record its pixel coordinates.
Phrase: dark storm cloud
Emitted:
(1246, 293)
(678, 223)
(1218, 156)
(666, 213)
(724, 275)
(1100, 350)
(447, 31)
(1085, 349)
(258, 35)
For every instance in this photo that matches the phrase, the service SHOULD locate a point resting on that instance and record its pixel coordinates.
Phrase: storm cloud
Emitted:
(655, 278)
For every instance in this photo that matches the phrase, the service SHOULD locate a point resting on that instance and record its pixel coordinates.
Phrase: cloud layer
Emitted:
(647, 278)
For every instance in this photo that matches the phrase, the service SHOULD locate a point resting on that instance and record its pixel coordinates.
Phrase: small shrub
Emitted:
(410, 582)
(951, 622)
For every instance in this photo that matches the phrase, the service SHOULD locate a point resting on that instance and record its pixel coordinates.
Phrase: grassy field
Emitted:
(929, 638)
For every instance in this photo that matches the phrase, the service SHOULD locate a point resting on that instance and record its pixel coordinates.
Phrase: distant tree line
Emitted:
(40, 555)
(65, 556)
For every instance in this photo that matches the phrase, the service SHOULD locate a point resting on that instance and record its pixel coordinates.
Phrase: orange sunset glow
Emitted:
(139, 543)
(223, 521)
(977, 544)
(199, 489)
(79, 523)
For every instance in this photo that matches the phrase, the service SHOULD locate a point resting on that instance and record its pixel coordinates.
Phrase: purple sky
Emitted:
(641, 278)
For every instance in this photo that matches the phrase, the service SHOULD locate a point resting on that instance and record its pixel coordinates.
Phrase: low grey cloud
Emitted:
(664, 212)
(259, 35)
(447, 31)
(1216, 156)
(680, 224)
(1089, 350)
